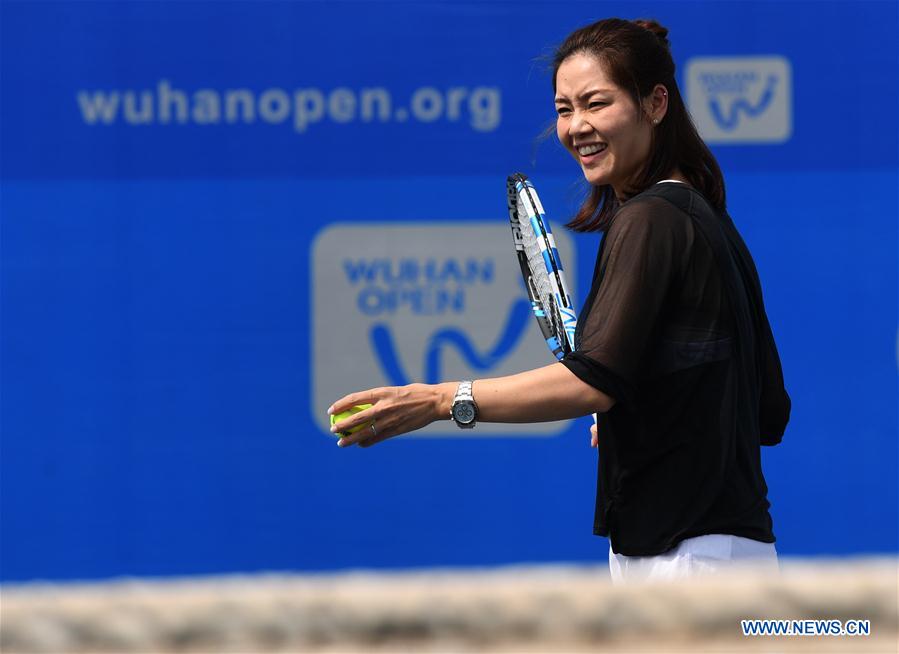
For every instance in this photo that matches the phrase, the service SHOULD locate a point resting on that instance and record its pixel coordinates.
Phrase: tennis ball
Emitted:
(337, 417)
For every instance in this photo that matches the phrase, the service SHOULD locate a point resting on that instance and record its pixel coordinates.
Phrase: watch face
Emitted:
(464, 413)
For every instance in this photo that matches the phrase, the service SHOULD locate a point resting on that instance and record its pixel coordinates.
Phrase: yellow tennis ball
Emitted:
(337, 417)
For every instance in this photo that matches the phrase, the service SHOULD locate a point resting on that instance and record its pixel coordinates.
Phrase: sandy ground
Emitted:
(519, 609)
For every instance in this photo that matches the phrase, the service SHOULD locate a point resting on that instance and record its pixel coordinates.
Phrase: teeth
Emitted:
(584, 150)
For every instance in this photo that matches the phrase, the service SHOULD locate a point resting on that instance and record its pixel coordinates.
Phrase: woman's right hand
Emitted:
(594, 438)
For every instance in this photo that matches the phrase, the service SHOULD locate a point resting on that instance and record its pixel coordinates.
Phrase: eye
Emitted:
(563, 111)
(596, 104)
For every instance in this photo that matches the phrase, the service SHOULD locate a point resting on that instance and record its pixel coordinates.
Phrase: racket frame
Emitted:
(557, 321)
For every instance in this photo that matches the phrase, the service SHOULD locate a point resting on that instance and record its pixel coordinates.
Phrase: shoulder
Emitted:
(651, 216)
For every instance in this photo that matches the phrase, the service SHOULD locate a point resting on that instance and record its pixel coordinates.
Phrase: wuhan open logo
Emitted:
(395, 303)
(741, 99)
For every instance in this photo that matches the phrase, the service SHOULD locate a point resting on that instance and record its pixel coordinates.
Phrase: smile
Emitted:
(586, 150)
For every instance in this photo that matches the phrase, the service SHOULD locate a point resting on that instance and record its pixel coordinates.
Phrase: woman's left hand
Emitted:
(395, 410)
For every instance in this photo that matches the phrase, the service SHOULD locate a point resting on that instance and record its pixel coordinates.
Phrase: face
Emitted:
(599, 124)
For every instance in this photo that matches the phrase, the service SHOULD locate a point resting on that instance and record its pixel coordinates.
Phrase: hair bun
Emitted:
(653, 26)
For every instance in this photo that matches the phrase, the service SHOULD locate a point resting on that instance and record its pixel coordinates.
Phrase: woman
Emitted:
(673, 347)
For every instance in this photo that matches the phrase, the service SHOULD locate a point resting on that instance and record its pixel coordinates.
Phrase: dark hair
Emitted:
(636, 55)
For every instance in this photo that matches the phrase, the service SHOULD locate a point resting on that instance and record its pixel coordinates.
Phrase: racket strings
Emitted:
(540, 281)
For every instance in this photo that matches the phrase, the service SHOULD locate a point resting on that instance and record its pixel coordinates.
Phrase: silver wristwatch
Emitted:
(464, 410)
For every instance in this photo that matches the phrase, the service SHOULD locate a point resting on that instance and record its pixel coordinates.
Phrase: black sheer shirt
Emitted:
(674, 329)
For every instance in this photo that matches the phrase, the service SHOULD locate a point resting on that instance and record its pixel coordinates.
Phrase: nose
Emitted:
(577, 124)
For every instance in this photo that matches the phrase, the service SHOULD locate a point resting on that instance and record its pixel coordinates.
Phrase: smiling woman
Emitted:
(600, 125)
(616, 82)
(673, 348)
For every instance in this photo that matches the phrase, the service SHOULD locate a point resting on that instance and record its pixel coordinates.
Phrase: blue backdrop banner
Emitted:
(218, 217)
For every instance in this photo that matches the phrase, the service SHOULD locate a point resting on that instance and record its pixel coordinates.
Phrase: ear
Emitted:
(656, 104)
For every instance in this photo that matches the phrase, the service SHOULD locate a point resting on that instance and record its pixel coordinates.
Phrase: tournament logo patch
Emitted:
(741, 99)
(396, 303)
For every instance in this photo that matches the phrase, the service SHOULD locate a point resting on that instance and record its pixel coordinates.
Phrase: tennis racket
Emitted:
(540, 266)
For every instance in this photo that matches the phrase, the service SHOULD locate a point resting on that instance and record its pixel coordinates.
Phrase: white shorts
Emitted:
(693, 557)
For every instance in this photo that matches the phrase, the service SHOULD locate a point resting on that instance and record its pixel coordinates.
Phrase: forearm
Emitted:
(540, 395)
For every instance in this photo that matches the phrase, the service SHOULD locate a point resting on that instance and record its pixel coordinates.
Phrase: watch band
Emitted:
(464, 391)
